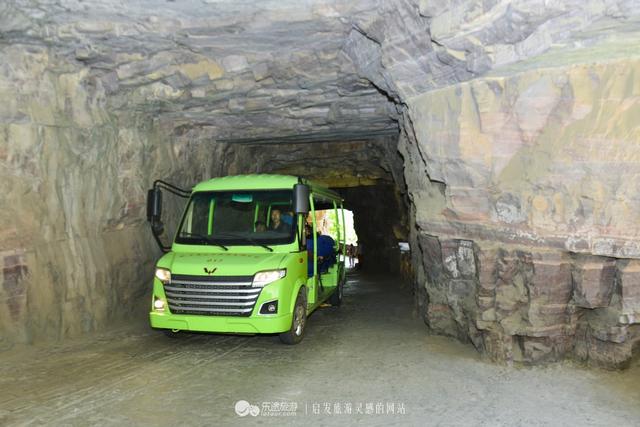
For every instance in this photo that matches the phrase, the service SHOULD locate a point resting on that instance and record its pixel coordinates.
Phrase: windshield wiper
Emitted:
(251, 240)
(259, 244)
(207, 239)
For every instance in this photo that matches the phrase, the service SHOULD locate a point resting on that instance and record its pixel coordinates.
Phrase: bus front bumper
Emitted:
(267, 324)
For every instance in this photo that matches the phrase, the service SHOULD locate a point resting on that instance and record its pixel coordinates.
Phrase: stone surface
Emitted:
(593, 282)
(75, 251)
(546, 178)
(240, 70)
(629, 282)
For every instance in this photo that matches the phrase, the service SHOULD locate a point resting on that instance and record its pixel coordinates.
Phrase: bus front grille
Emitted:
(211, 295)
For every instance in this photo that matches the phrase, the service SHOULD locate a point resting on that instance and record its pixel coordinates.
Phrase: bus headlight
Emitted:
(163, 275)
(263, 278)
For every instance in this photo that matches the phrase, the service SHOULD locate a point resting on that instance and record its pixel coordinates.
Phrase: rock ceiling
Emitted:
(303, 70)
(236, 70)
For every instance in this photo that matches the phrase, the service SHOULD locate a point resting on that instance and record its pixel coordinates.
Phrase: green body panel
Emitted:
(249, 182)
(247, 261)
(235, 262)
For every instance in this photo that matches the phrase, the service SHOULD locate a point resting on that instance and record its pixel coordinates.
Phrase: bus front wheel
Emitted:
(298, 323)
(174, 334)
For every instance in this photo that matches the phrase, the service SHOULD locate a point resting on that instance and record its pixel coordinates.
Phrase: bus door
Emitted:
(325, 247)
(341, 241)
(312, 256)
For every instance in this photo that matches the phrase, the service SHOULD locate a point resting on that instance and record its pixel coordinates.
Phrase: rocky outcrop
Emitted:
(75, 252)
(520, 146)
(537, 188)
(520, 149)
(528, 306)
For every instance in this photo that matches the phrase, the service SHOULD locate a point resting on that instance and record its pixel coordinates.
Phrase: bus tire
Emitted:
(173, 335)
(336, 297)
(295, 334)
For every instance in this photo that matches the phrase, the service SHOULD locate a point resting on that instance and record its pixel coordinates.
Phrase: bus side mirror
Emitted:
(301, 199)
(154, 205)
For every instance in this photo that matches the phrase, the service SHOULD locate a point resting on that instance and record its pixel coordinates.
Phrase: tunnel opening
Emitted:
(327, 225)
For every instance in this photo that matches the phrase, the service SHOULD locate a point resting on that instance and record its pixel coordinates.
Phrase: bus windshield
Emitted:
(248, 217)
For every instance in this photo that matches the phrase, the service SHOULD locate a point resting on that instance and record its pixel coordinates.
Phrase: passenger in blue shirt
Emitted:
(326, 252)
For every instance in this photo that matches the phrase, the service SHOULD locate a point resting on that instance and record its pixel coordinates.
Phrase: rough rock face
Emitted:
(339, 164)
(538, 170)
(74, 250)
(230, 69)
(522, 180)
(518, 140)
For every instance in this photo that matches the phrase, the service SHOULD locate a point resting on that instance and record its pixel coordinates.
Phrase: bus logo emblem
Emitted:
(213, 270)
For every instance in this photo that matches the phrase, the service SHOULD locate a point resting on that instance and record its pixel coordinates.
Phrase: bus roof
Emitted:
(261, 182)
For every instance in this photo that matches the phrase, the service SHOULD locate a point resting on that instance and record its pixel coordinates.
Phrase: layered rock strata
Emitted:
(527, 225)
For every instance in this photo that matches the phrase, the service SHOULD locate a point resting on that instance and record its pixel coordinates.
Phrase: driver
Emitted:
(276, 222)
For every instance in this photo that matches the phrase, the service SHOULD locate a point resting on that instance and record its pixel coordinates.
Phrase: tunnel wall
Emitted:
(527, 217)
(520, 150)
(75, 250)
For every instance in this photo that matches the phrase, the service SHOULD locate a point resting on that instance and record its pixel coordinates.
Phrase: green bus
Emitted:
(247, 256)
